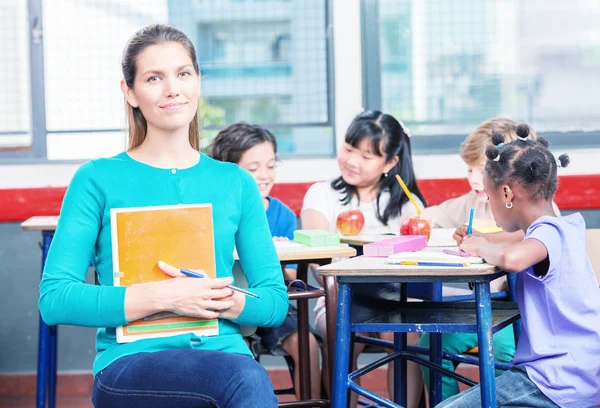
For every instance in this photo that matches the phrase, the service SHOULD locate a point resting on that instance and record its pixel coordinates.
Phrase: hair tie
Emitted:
(524, 139)
(404, 128)
(497, 158)
(499, 145)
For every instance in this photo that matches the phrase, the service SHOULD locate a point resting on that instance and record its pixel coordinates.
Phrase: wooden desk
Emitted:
(288, 253)
(362, 270)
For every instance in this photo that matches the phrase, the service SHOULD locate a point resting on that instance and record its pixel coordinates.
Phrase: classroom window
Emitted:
(15, 113)
(262, 61)
(447, 66)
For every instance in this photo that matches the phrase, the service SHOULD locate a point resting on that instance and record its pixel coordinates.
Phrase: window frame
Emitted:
(437, 143)
(36, 152)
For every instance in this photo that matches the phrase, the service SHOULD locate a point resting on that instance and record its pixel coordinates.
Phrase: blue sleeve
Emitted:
(259, 261)
(65, 298)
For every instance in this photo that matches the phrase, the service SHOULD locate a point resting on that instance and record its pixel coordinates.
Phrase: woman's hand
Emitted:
(473, 245)
(461, 233)
(199, 297)
(278, 239)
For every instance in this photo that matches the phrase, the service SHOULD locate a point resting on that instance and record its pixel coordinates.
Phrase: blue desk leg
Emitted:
(400, 378)
(435, 352)
(341, 395)
(46, 373)
(42, 368)
(52, 367)
(483, 308)
(435, 378)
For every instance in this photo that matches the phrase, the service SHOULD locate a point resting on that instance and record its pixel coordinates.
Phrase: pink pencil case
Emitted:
(402, 243)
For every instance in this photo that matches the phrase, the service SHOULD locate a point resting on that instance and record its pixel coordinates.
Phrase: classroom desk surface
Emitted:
(40, 223)
(365, 266)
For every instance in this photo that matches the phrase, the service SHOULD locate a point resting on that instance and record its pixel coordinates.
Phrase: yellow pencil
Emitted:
(408, 194)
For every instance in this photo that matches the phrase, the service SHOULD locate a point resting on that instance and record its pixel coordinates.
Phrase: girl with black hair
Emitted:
(376, 148)
(557, 362)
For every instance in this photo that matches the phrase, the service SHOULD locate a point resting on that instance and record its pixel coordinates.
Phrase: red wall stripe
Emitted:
(576, 192)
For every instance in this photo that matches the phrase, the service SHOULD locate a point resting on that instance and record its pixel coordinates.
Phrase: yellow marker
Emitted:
(408, 194)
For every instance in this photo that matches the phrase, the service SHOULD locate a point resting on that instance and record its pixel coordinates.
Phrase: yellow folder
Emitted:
(180, 235)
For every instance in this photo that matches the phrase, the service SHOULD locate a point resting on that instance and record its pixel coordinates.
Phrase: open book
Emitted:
(433, 257)
(180, 235)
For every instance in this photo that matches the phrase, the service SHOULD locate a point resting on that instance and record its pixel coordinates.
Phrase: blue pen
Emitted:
(193, 274)
(470, 227)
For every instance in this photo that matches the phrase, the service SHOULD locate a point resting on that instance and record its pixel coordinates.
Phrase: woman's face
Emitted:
(361, 166)
(166, 87)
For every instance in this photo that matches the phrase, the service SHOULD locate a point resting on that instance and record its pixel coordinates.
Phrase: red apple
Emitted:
(416, 226)
(350, 222)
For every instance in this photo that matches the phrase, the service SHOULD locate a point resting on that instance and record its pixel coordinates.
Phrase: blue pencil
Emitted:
(193, 274)
(470, 227)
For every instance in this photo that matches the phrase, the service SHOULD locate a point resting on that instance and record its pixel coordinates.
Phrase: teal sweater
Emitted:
(83, 233)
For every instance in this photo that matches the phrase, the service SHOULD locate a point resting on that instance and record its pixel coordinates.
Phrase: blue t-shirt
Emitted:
(282, 221)
(560, 341)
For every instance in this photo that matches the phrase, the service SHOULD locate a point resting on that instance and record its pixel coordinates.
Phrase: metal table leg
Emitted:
(483, 309)
(47, 353)
(303, 339)
(341, 369)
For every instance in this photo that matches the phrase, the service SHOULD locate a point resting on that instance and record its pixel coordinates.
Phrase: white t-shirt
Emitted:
(323, 198)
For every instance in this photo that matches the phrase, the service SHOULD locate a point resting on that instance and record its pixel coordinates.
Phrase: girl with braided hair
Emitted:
(557, 361)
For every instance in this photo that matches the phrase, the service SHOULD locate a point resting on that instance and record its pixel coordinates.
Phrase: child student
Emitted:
(557, 362)
(454, 213)
(254, 149)
(376, 148)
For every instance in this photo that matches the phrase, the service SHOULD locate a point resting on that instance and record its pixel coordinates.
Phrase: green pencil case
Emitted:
(316, 238)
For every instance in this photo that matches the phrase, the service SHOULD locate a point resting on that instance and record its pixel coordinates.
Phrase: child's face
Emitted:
(259, 161)
(360, 166)
(166, 87)
(475, 177)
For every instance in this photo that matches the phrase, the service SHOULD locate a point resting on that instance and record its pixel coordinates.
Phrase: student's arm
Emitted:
(510, 257)
(259, 261)
(492, 237)
(313, 216)
(448, 214)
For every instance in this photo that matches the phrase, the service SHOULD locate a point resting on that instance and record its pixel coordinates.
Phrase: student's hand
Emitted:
(473, 245)
(461, 233)
(276, 239)
(199, 297)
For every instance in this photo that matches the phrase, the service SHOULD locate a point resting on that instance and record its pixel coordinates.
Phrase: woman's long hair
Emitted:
(388, 134)
(153, 35)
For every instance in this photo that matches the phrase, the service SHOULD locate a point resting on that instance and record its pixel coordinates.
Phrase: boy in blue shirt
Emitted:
(254, 149)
